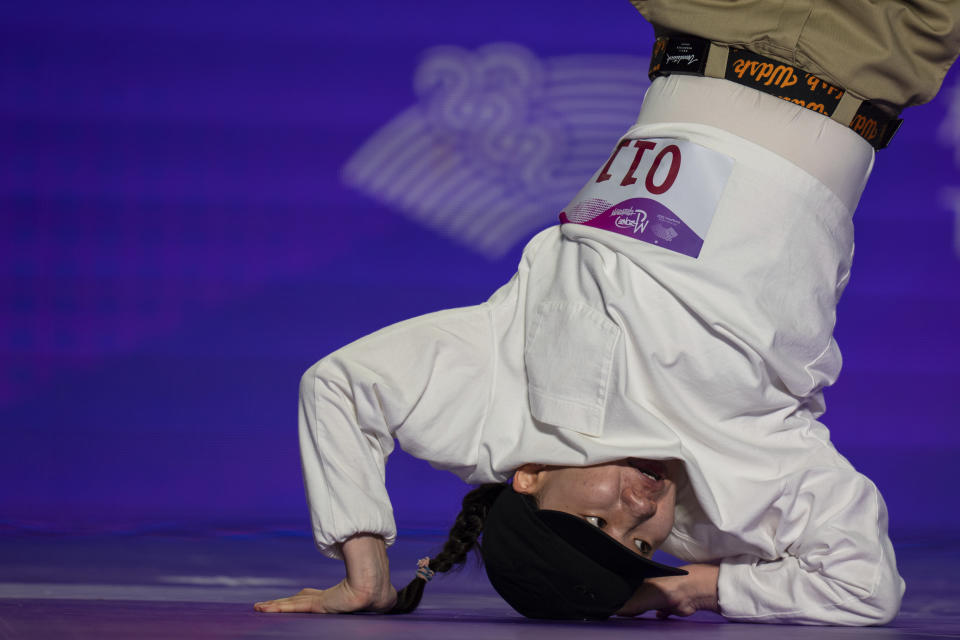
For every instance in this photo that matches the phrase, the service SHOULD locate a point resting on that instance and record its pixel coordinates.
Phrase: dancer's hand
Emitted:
(677, 595)
(366, 588)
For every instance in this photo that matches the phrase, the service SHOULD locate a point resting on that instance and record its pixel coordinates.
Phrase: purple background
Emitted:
(177, 247)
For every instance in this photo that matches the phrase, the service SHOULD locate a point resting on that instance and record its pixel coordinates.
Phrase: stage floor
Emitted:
(176, 586)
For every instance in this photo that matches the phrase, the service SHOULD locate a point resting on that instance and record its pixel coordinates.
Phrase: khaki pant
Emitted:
(886, 51)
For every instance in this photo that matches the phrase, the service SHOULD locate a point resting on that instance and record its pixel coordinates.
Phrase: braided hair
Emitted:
(463, 537)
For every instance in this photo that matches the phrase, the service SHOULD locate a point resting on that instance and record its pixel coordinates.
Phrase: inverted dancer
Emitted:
(653, 375)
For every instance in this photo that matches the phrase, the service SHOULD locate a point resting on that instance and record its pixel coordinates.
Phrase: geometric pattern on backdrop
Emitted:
(950, 134)
(498, 140)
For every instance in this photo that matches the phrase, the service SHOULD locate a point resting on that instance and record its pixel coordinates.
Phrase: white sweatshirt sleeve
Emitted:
(425, 381)
(836, 564)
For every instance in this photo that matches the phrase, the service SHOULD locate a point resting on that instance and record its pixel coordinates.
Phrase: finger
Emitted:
(303, 601)
(293, 604)
(271, 602)
(296, 604)
(263, 606)
(645, 598)
(273, 606)
(268, 605)
(680, 611)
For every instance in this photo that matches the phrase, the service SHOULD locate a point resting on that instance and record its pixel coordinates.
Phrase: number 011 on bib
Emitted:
(658, 190)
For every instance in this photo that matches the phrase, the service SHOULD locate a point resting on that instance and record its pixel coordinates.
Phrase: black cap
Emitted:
(550, 564)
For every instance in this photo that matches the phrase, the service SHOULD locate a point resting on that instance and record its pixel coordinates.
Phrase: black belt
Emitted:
(696, 56)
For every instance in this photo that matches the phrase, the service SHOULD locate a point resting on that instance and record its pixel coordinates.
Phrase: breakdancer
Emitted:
(652, 376)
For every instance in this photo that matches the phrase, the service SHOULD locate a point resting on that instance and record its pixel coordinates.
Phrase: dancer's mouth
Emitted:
(655, 470)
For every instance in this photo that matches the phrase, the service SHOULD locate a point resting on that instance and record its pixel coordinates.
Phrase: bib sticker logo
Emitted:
(660, 191)
(629, 218)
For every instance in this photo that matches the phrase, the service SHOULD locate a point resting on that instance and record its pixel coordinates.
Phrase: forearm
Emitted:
(836, 564)
(425, 381)
(785, 591)
(343, 462)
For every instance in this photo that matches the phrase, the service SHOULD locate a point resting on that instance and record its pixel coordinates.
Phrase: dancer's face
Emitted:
(630, 500)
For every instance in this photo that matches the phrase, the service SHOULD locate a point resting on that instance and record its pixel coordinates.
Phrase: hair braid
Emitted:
(462, 538)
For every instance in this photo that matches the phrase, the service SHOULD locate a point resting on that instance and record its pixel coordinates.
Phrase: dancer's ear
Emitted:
(530, 478)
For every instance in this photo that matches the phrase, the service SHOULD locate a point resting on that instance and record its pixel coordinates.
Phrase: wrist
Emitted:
(705, 587)
(368, 571)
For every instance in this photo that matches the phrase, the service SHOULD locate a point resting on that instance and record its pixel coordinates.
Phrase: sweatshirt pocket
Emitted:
(568, 358)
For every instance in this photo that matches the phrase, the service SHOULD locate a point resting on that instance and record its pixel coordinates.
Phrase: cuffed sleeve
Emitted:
(837, 564)
(425, 381)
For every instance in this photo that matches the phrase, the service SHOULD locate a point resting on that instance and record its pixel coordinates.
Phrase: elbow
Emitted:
(320, 371)
(307, 381)
(880, 606)
(309, 377)
(884, 604)
(887, 594)
(308, 400)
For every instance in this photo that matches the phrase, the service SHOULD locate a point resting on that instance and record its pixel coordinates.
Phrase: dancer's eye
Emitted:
(598, 522)
(643, 546)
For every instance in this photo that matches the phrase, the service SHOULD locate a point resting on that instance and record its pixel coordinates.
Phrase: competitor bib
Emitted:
(660, 190)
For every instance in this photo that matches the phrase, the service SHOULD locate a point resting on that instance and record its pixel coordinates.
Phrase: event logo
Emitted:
(950, 133)
(498, 139)
(629, 218)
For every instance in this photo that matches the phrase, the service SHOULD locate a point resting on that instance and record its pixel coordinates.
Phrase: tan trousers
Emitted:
(886, 51)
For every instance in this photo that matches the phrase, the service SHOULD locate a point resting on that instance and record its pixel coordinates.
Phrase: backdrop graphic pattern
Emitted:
(950, 135)
(498, 141)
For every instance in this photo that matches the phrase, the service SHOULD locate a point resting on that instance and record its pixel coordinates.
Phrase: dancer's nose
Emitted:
(638, 503)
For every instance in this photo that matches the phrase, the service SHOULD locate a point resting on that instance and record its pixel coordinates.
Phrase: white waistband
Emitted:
(828, 151)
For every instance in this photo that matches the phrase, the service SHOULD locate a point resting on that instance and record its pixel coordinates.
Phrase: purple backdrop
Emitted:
(182, 233)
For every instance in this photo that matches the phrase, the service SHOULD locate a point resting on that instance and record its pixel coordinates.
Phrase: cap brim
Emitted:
(604, 550)
(550, 564)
